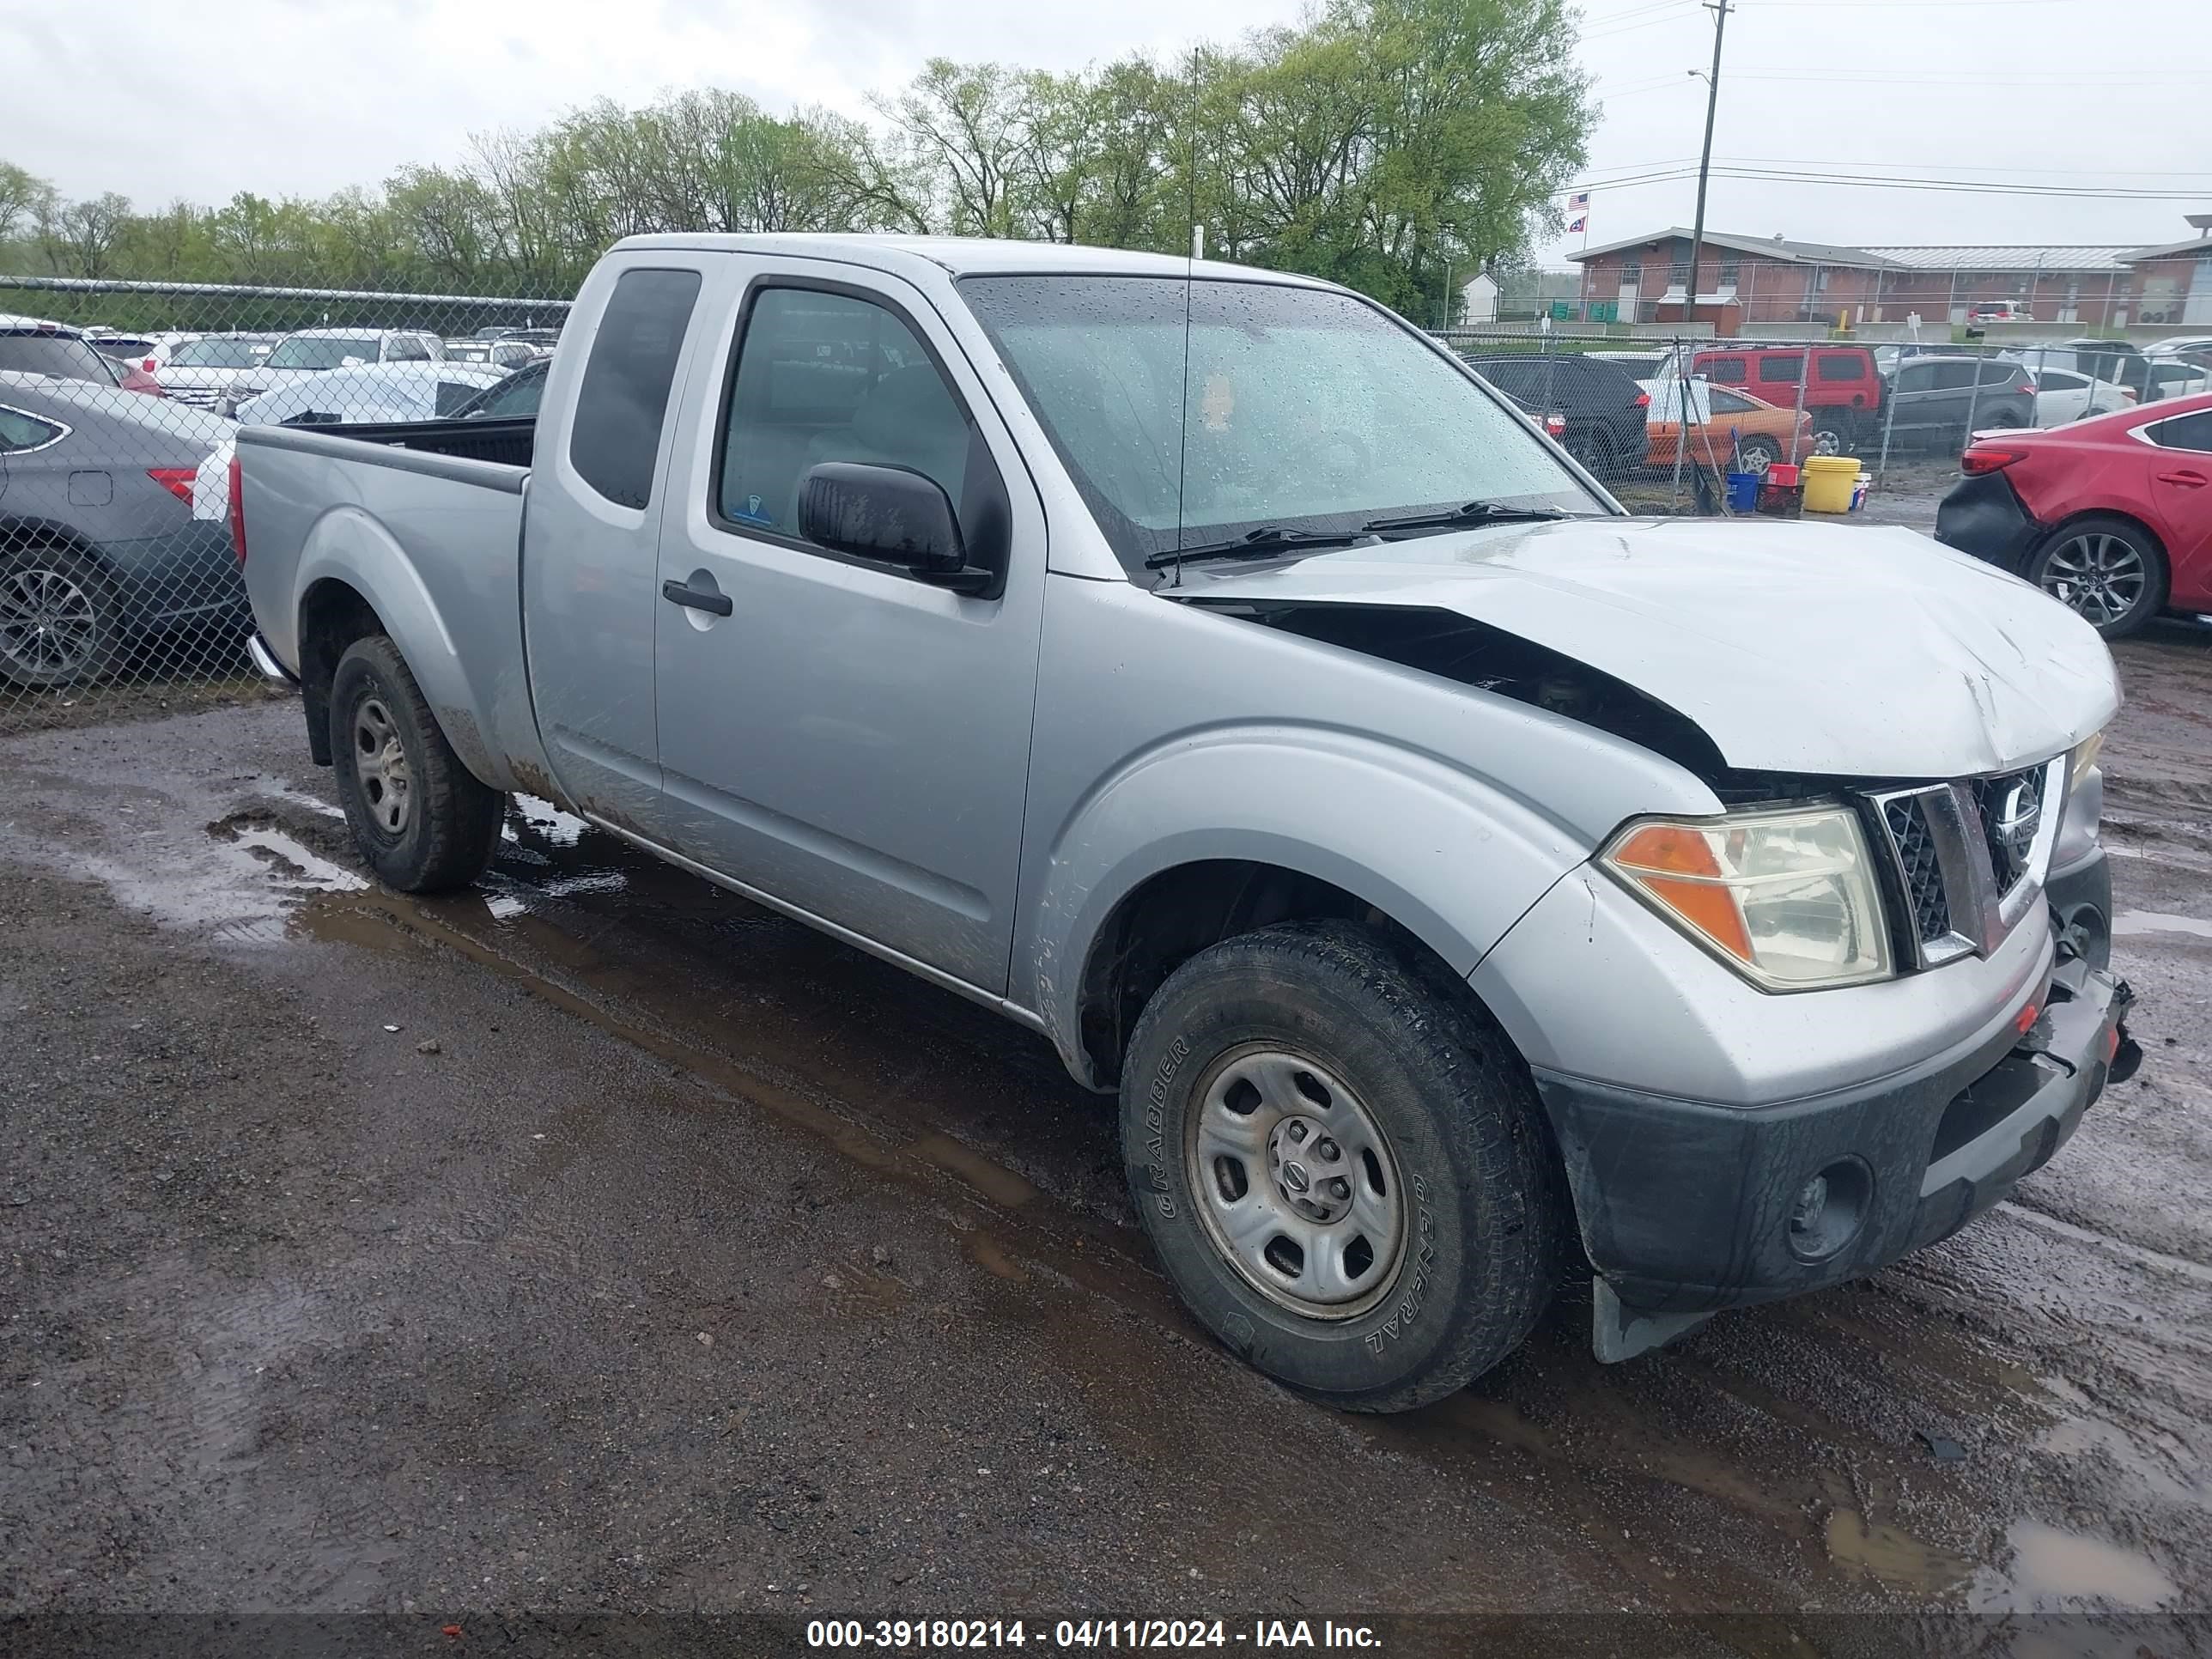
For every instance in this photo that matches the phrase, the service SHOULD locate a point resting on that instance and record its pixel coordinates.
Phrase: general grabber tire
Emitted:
(421, 820)
(1341, 1163)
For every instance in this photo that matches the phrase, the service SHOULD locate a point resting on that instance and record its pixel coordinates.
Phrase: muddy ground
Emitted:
(596, 1242)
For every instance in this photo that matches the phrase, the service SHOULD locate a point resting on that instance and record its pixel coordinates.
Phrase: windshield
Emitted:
(1295, 408)
(322, 351)
(61, 356)
(219, 354)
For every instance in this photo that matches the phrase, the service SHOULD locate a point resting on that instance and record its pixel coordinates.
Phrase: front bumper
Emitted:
(1984, 516)
(1688, 1207)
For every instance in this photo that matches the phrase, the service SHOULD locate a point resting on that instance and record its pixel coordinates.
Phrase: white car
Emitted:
(2062, 395)
(500, 354)
(313, 351)
(375, 391)
(204, 371)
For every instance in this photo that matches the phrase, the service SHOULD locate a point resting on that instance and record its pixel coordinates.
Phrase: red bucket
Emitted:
(1783, 474)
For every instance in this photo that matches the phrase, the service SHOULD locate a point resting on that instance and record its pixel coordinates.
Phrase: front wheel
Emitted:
(1341, 1165)
(2110, 571)
(423, 823)
(1755, 455)
(1832, 432)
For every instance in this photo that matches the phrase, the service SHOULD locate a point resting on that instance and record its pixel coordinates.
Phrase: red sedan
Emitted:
(2111, 515)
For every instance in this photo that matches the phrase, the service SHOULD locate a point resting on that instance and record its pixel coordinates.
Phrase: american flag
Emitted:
(1579, 201)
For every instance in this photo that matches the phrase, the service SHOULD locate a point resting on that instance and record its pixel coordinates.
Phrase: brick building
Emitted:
(1775, 280)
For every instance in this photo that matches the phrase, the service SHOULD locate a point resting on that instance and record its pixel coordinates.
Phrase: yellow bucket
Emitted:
(1829, 481)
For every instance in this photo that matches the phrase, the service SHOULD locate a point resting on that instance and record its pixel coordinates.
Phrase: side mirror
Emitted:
(889, 515)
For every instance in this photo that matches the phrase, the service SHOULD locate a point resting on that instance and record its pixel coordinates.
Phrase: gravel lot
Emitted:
(595, 1244)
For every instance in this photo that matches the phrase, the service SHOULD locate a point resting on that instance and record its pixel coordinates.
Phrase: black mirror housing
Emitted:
(890, 514)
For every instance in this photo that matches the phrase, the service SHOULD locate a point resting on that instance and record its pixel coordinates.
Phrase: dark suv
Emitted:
(1939, 404)
(1843, 396)
(1603, 407)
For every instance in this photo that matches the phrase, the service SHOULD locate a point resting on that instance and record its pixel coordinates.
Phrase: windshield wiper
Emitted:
(1263, 543)
(1472, 513)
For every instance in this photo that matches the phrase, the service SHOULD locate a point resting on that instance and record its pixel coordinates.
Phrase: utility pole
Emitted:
(1705, 160)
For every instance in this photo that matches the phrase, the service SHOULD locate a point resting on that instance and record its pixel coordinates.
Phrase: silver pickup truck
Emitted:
(1470, 889)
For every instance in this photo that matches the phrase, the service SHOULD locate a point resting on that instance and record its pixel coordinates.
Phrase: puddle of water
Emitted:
(987, 1253)
(314, 870)
(2153, 1461)
(2131, 924)
(548, 823)
(2052, 1570)
(995, 1181)
(1894, 1556)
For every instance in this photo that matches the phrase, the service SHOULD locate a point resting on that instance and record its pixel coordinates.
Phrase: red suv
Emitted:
(1843, 396)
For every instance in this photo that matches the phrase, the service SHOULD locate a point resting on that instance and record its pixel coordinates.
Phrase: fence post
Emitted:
(1889, 413)
(1682, 426)
(1974, 396)
(1804, 373)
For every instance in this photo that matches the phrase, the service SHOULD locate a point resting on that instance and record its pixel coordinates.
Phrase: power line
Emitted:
(1957, 186)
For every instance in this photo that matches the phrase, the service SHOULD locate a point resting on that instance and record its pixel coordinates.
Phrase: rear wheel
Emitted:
(58, 622)
(1341, 1165)
(421, 820)
(1594, 449)
(1755, 455)
(1834, 431)
(2108, 570)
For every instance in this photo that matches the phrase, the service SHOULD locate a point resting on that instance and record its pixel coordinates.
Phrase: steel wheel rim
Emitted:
(48, 623)
(2101, 576)
(1273, 1135)
(380, 763)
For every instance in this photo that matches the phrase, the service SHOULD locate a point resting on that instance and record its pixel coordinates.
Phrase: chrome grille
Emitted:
(1923, 876)
(1970, 856)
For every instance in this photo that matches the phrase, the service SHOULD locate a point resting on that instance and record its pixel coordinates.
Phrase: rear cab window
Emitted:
(615, 437)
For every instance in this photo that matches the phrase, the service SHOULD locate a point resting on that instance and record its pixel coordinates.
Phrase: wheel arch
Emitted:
(333, 613)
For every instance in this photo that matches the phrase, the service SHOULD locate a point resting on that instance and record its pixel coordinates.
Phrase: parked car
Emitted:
(1449, 870)
(1643, 365)
(1887, 357)
(2174, 345)
(2172, 377)
(1602, 404)
(513, 399)
(98, 544)
(319, 351)
(1727, 429)
(1938, 405)
(1999, 311)
(379, 391)
(31, 345)
(204, 371)
(149, 351)
(496, 354)
(2111, 515)
(2061, 395)
(1843, 396)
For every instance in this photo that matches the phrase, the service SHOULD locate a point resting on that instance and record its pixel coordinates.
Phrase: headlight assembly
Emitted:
(1788, 898)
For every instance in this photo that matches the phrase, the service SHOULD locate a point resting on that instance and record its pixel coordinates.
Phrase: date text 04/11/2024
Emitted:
(939, 1634)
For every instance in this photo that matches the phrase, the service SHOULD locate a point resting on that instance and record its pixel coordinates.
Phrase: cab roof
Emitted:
(968, 256)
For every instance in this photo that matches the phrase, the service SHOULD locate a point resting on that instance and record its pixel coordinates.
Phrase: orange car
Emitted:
(1762, 431)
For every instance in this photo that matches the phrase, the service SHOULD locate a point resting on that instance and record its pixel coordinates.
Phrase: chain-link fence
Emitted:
(1673, 415)
(120, 589)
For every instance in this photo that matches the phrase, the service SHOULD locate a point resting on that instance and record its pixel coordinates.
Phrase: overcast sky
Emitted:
(303, 96)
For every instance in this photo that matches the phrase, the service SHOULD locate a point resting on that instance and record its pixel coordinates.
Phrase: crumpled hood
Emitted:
(1797, 648)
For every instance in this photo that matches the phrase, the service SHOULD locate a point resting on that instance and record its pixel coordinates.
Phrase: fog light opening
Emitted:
(1829, 1210)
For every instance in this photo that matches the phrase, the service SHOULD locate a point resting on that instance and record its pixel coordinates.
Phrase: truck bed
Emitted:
(509, 443)
(429, 539)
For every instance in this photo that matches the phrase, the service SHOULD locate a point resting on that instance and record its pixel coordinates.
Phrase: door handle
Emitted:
(2186, 480)
(678, 592)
